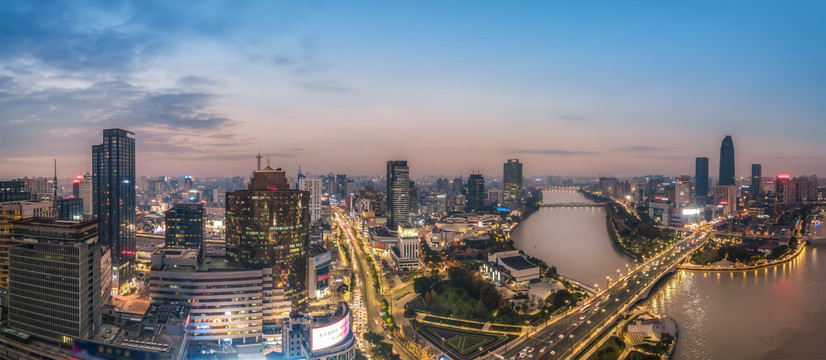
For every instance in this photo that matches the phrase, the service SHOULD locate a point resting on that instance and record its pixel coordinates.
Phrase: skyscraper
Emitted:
(113, 184)
(54, 279)
(185, 226)
(726, 162)
(268, 225)
(312, 185)
(513, 184)
(701, 181)
(475, 192)
(756, 174)
(398, 193)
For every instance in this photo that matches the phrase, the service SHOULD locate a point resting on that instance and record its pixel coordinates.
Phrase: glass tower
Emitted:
(701, 180)
(727, 162)
(513, 184)
(398, 193)
(113, 184)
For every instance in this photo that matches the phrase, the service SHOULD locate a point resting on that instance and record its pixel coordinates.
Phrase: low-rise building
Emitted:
(648, 330)
(406, 252)
(319, 337)
(506, 266)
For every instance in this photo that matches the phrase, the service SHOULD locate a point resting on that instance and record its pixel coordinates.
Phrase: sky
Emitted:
(570, 88)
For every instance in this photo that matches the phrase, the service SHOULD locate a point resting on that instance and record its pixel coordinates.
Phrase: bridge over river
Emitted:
(567, 335)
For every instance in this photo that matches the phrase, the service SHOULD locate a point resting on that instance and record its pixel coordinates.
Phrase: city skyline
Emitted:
(204, 91)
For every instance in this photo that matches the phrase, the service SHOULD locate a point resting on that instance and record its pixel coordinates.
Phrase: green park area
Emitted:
(462, 344)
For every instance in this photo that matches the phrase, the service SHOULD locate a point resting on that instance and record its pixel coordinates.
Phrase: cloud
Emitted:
(550, 152)
(640, 148)
(196, 81)
(324, 86)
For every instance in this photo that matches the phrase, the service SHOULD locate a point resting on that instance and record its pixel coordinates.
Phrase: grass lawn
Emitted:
(505, 328)
(463, 343)
(456, 302)
(636, 355)
(454, 322)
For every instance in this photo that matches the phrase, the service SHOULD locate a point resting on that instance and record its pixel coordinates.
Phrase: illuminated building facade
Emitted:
(268, 225)
(226, 299)
(319, 337)
(9, 212)
(312, 185)
(398, 193)
(726, 162)
(185, 226)
(513, 184)
(755, 188)
(54, 279)
(113, 185)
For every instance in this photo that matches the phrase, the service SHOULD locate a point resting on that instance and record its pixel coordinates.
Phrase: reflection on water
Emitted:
(769, 313)
(572, 239)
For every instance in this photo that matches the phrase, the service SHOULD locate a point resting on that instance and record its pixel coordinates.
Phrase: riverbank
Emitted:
(785, 259)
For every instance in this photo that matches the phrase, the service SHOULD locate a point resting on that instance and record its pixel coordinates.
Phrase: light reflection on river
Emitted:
(572, 239)
(772, 313)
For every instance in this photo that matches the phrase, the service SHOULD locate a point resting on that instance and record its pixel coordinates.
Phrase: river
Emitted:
(772, 313)
(572, 239)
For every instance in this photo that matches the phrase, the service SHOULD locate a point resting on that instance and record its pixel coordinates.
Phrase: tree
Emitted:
(551, 273)
(343, 288)
(560, 297)
(422, 285)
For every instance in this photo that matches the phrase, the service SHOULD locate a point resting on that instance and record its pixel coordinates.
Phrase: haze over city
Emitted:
(571, 89)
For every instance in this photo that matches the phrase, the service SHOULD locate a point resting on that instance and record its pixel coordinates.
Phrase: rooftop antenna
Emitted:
(54, 199)
(259, 158)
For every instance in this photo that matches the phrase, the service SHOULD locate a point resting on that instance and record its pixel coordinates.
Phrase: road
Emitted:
(561, 338)
(368, 291)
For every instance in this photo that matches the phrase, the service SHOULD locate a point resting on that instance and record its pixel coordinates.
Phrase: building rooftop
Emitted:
(517, 262)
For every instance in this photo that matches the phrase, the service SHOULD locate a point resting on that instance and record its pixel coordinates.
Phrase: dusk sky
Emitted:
(569, 88)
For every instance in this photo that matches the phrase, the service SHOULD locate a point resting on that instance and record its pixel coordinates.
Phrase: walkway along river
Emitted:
(771, 313)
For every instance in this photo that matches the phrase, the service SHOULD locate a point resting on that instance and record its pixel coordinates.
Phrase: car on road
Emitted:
(561, 336)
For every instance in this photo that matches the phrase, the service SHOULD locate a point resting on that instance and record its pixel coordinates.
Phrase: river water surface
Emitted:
(772, 313)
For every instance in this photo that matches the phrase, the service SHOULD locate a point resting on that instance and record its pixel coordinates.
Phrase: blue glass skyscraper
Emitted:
(113, 184)
(727, 162)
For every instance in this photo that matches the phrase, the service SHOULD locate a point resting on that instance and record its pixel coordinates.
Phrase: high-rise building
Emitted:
(341, 187)
(318, 278)
(783, 189)
(726, 162)
(86, 193)
(54, 279)
(475, 192)
(312, 184)
(406, 252)
(185, 226)
(701, 180)
(268, 225)
(756, 174)
(513, 184)
(608, 186)
(9, 212)
(682, 191)
(70, 209)
(113, 184)
(14, 190)
(398, 193)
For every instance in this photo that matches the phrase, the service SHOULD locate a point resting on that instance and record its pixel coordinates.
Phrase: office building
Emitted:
(756, 174)
(70, 209)
(405, 253)
(318, 279)
(9, 212)
(13, 190)
(226, 300)
(319, 337)
(726, 162)
(54, 279)
(701, 181)
(398, 193)
(85, 192)
(268, 225)
(185, 226)
(783, 190)
(312, 185)
(113, 187)
(341, 187)
(682, 191)
(513, 184)
(475, 192)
